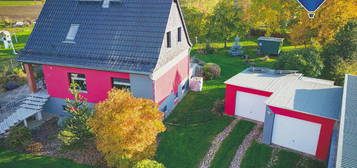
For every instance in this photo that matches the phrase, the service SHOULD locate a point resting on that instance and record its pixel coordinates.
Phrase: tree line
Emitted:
(329, 38)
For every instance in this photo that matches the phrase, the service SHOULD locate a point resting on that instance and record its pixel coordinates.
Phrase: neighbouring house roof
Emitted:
(347, 142)
(271, 39)
(126, 37)
(294, 91)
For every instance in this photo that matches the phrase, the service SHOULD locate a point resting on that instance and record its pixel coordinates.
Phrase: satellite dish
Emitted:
(311, 6)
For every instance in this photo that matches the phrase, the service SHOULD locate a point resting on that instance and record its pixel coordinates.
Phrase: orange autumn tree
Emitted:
(126, 128)
(329, 18)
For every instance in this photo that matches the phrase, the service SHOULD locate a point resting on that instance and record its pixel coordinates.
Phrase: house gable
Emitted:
(174, 23)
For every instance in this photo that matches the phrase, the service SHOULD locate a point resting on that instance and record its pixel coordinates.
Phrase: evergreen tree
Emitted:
(76, 131)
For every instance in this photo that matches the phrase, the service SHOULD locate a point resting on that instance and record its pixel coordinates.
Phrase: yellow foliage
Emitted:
(348, 67)
(273, 14)
(329, 18)
(126, 128)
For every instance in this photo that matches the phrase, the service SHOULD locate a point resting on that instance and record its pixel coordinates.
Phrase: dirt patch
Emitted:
(51, 146)
(20, 12)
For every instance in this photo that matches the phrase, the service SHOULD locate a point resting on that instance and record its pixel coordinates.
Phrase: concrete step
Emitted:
(32, 105)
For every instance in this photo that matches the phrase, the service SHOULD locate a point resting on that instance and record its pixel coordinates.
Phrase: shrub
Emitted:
(211, 71)
(19, 137)
(218, 107)
(307, 61)
(8, 22)
(342, 68)
(148, 164)
(126, 127)
(34, 147)
(341, 53)
(76, 131)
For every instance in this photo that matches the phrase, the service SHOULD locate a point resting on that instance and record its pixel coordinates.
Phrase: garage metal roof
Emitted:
(266, 81)
(293, 91)
(310, 97)
(347, 143)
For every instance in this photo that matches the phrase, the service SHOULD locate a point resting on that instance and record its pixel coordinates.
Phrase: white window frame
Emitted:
(120, 83)
(78, 79)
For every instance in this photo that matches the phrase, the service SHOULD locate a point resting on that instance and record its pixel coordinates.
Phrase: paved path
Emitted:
(216, 143)
(245, 145)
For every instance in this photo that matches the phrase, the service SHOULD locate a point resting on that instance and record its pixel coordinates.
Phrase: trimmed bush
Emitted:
(19, 137)
(211, 71)
(148, 164)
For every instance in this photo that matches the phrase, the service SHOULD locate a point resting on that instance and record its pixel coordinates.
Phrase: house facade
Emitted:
(138, 45)
(298, 112)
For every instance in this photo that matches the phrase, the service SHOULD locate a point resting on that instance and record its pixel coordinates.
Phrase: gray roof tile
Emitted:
(126, 37)
(347, 152)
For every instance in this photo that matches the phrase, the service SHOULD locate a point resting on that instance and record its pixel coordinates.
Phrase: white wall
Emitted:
(174, 22)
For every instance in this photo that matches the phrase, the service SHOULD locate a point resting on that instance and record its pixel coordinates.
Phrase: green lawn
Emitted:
(226, 152)
(287, 159)
(11, 159)
(291, 159)
(257, 156)
(22, 35)
(19, 3)
(185, 146)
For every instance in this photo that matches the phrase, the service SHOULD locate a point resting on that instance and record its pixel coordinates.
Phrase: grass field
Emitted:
(292, 159)
(19, 3)
(287, 159)
(22, 36)
(230, 145)
(185, 146)
(11, 159)
(203, 5)
(257, 156)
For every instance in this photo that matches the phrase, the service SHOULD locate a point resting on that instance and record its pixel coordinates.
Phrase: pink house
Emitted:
(140, 45)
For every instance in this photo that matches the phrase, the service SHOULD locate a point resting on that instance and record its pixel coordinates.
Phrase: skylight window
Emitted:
(71, 35)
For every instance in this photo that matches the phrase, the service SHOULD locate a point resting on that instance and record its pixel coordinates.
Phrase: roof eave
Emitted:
(288, 108)
(183, 22)
(85, 67)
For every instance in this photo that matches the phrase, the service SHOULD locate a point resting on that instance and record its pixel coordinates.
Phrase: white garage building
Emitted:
(298, 112)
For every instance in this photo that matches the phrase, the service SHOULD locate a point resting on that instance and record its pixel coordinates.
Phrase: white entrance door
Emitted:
(296, 134)
(250, 106)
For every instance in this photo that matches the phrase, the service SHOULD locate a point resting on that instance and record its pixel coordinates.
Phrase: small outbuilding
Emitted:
(298, 112)
(270, 45)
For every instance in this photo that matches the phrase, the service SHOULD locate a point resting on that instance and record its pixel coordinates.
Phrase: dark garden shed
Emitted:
(269, 45)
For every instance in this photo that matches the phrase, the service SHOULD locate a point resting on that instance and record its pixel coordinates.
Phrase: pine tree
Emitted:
(76, 131)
